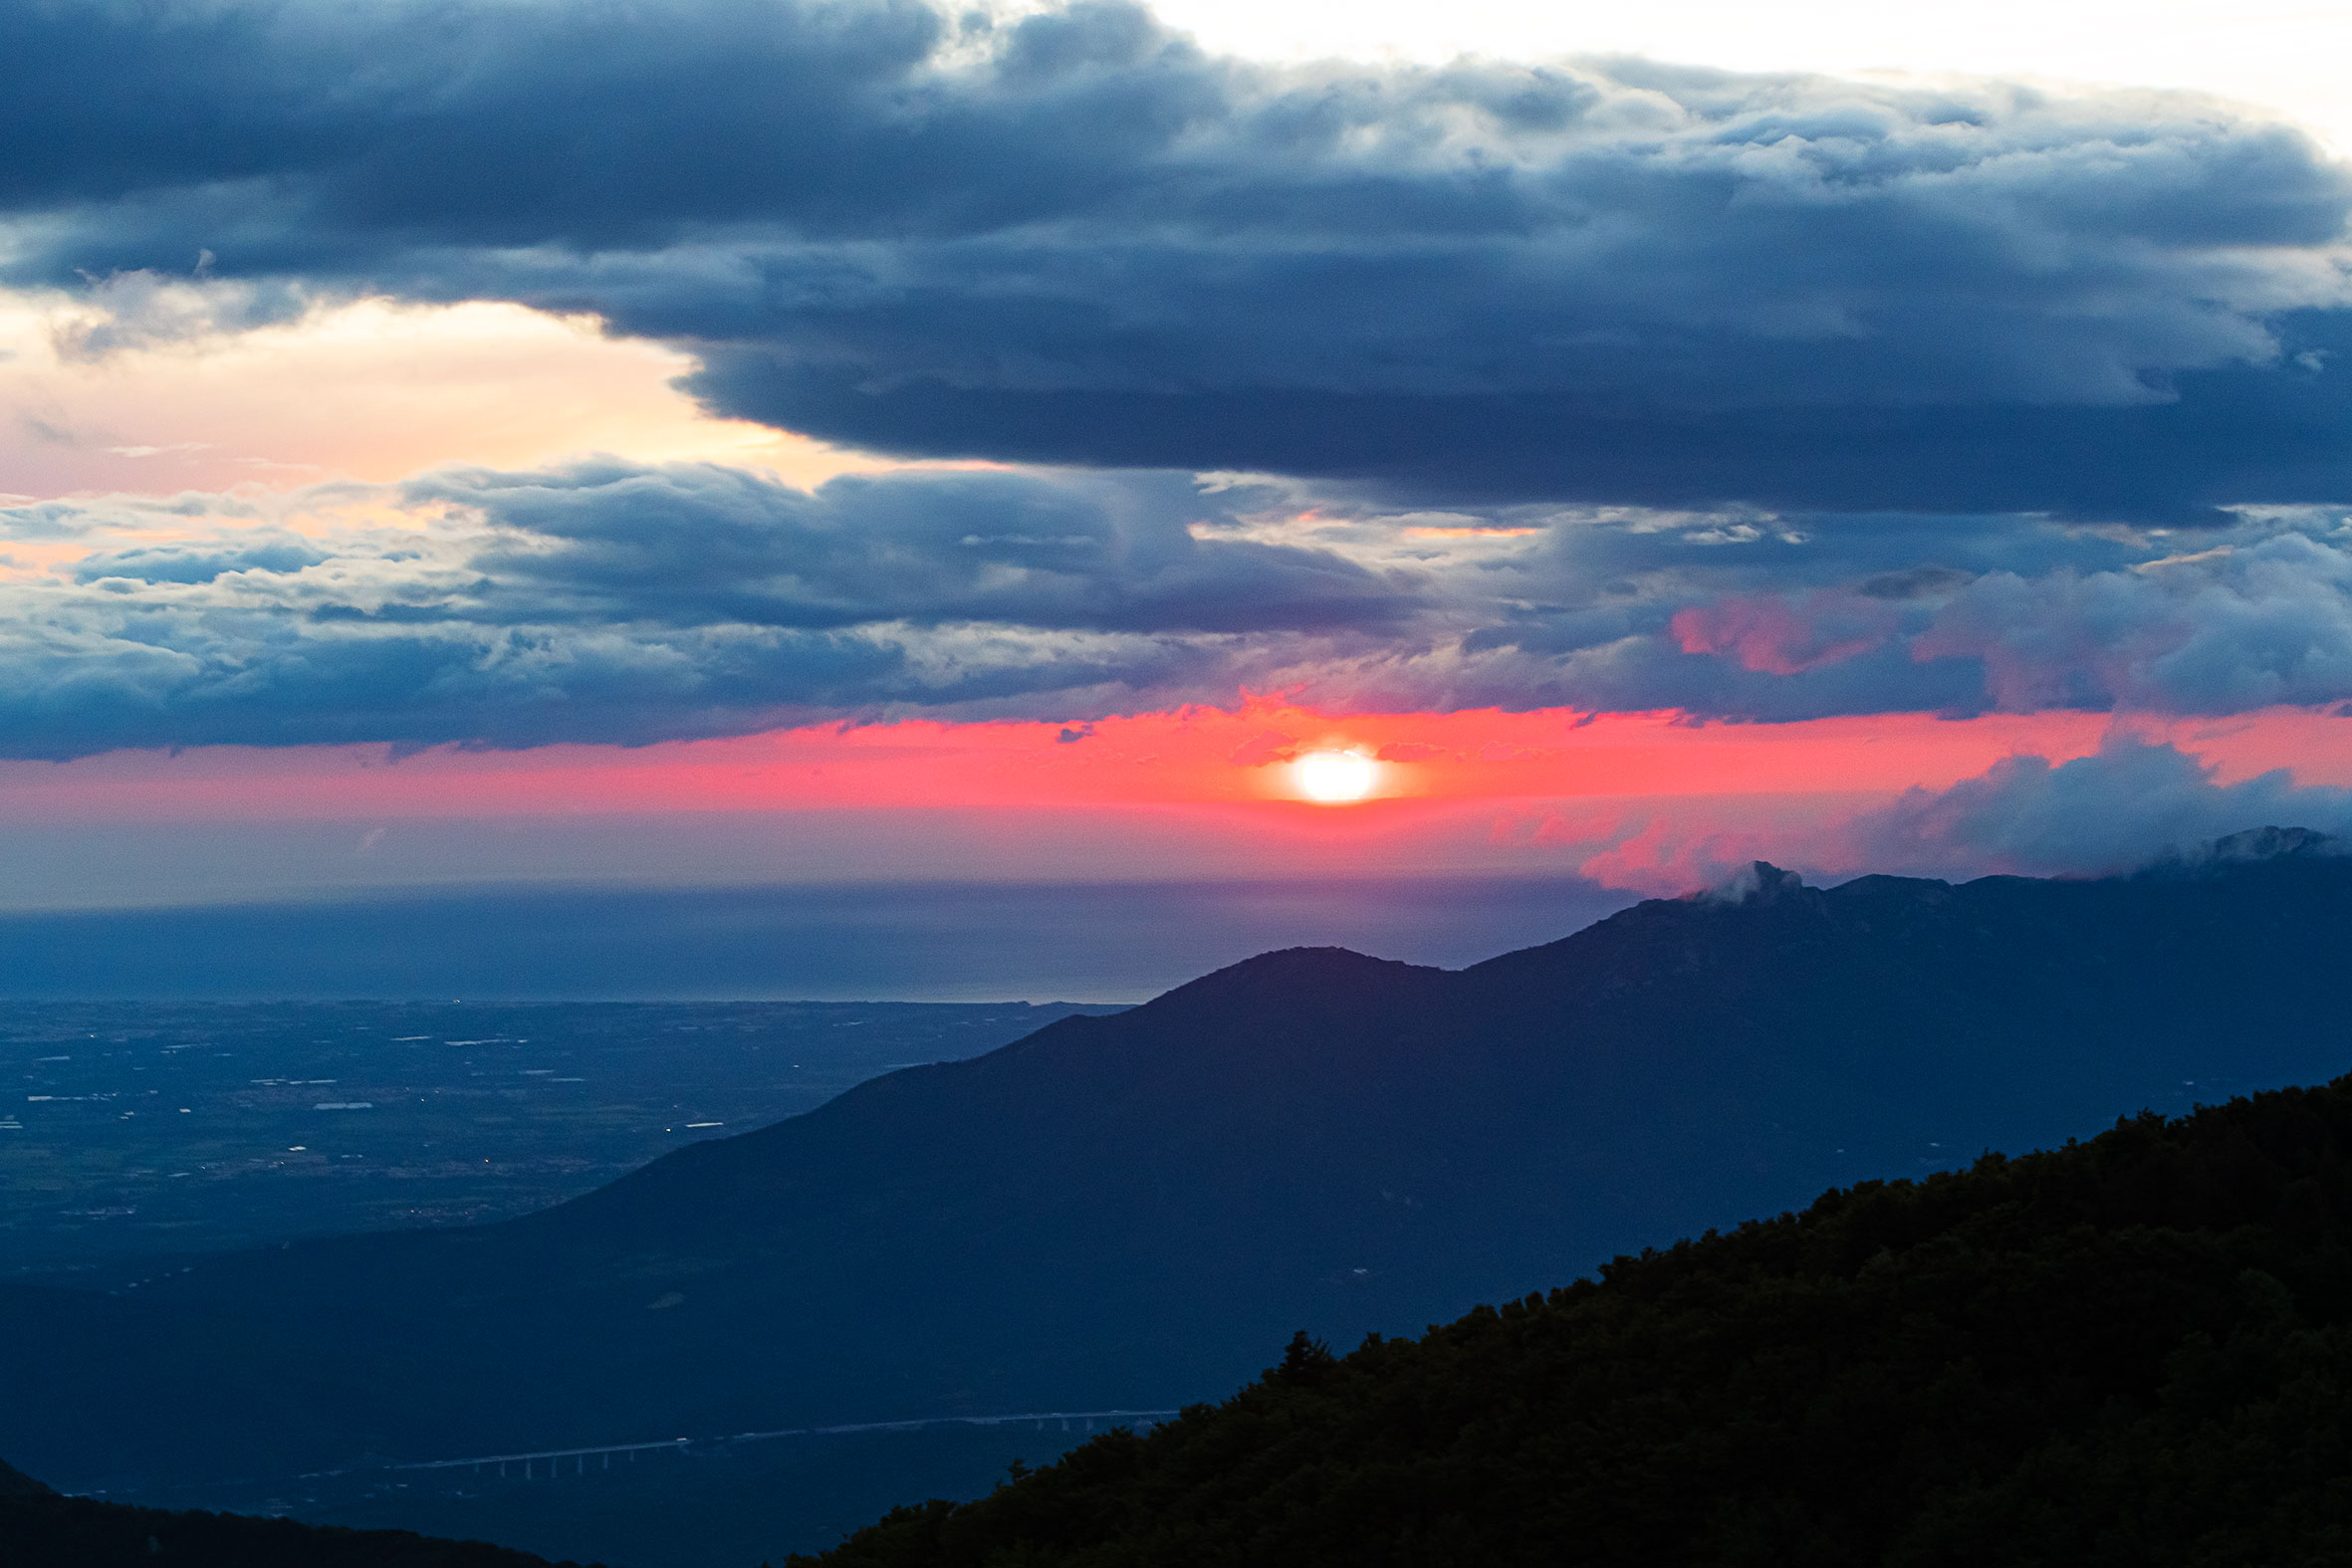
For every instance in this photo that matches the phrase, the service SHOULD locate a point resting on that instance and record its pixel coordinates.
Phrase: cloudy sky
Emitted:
(735, 442)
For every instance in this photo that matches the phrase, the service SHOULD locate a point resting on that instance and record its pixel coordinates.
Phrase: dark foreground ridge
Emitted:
(40, 1529)
(2131, 1352)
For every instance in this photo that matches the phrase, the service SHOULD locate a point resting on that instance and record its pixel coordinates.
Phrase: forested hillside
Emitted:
(2132, 1351)
(39, 1529)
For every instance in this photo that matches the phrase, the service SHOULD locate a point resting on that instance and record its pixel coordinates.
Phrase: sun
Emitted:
(1335, 778)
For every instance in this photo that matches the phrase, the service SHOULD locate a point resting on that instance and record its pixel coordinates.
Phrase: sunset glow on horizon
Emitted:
(1651, 802)
(755, 503)
(1191, 755)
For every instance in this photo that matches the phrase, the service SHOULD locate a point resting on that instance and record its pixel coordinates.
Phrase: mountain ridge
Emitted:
(1122, 1211)
(16, 1485)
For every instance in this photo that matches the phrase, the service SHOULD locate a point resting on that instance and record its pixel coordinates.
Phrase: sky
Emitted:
(702, 445)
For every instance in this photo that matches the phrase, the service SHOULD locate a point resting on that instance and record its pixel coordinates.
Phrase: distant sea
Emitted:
(931, 942)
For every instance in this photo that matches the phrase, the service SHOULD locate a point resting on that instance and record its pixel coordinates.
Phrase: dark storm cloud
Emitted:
(2210, 439)
(1078, 239)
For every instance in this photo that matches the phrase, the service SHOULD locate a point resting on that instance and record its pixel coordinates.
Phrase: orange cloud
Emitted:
(368, 390)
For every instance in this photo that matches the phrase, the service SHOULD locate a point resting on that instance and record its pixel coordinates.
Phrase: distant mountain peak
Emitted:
(15, 1485)
(2257, 845)
(1757, 882)
(1287, 962)
(1284, 970)
(2274, 844)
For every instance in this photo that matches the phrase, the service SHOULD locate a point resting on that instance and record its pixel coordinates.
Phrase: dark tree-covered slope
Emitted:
(1123, 1212)
(2135, 1351)
(17, 1487)
(39, 1529)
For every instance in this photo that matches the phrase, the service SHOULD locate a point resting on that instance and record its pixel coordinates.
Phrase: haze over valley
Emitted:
(142, 1128)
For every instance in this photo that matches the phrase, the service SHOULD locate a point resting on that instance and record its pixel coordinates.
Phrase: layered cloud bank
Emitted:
(1078, 239)
(607, 601)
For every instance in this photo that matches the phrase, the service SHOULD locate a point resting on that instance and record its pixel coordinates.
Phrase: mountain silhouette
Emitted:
(1124, 1212)
(17, 1487)
(40, 1529)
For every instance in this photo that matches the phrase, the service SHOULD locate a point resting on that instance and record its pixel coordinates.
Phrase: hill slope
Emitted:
(40, 1529)
(17, 1487)
(2136, 1351)
(1124, 1212)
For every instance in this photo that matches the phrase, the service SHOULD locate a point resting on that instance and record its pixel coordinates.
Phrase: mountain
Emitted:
(2130, 1353)
(17, 1487)
(1123, 1212)
(40, 1529)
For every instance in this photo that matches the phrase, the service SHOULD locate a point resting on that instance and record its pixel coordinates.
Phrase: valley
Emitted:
(130, 1130)
(1133, 1211)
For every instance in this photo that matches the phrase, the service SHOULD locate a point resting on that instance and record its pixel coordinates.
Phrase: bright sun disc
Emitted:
(1335, 778)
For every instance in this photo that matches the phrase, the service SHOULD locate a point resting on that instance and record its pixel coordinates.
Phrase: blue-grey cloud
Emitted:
(2123, 806)
(607, 601)
(1078, 239)
(150, 563)
(697, 545)
(604, 602)
(1799, 618)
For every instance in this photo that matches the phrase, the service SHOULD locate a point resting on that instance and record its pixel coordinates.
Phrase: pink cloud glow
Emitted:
(1771, 634)
(1189, 757)
(1638, 802)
